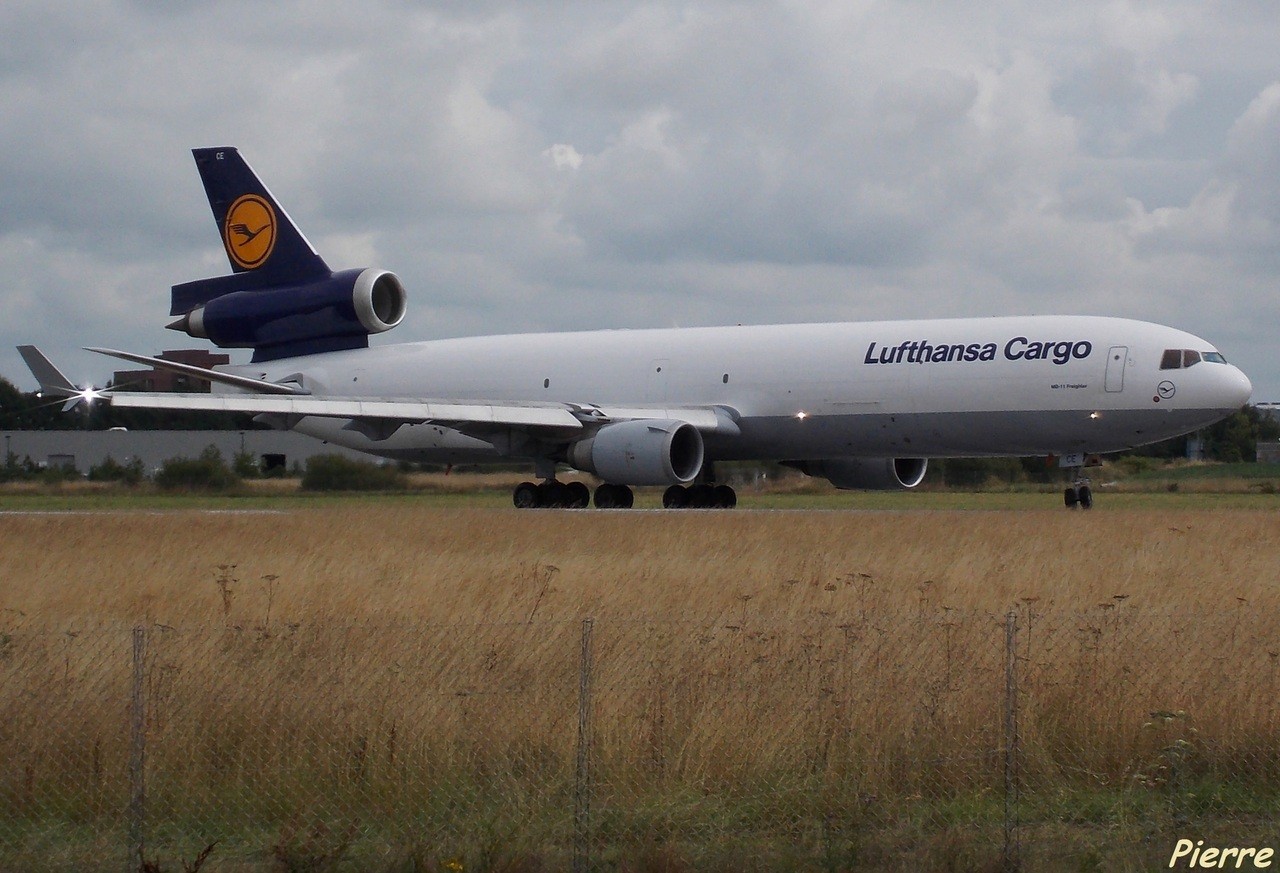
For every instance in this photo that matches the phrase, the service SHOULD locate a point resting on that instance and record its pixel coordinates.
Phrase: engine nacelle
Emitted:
(642, 452)
(323, 314)
(868, 474)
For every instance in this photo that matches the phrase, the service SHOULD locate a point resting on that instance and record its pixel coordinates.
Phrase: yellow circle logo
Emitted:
(250, 231)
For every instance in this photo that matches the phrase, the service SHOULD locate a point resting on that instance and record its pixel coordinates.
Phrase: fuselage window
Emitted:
(1190, 358)
(1172, 359)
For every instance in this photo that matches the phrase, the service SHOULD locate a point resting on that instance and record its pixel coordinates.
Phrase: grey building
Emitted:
(84, 449)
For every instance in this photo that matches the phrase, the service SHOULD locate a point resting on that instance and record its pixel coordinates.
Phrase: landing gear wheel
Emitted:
(552, 494)
(1086, 497)
(701, 496)
(725, 497)
(1071, 497)
(577, 495)
(675, 497)
(525, 496)
(614, 497)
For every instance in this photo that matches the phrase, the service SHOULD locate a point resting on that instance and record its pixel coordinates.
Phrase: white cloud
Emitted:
(563, 156)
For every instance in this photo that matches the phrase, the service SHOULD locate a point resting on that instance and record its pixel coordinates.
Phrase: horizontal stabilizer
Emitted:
(50, 377)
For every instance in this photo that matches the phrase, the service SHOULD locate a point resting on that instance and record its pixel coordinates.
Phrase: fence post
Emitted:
(138, 751)
(1012, 848)
(582, 769)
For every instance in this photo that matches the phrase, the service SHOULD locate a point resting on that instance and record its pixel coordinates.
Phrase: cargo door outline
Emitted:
(1117, 359)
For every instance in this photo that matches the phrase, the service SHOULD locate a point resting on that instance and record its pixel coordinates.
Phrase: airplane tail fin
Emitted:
(281, 298)
(262, 243)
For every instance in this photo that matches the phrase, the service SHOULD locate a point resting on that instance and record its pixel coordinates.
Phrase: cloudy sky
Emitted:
(571, 165)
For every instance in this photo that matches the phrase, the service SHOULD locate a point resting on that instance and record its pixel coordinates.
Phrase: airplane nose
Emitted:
(1238, 389)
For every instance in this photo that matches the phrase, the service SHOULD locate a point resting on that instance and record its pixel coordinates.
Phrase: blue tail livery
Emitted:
(281, 299)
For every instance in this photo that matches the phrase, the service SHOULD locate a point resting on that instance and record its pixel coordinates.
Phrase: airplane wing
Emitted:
(465, 415)
(202, 373)
(448, 412)
(460, 414)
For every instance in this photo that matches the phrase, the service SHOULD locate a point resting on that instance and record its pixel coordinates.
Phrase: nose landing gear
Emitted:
(1078, 494)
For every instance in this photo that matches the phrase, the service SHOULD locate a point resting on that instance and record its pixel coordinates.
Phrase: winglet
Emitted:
(50, 377)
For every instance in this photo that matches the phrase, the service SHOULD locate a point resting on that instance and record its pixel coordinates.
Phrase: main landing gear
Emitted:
(552, 494)
(702, 496)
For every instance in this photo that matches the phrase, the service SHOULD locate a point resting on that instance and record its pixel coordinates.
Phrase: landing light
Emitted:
(802, 415)
(1095, 415)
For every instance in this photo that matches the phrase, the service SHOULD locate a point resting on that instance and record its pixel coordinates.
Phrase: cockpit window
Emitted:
(1180, 359)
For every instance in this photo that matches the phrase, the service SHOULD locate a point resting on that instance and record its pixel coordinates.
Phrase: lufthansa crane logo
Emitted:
(250, 231)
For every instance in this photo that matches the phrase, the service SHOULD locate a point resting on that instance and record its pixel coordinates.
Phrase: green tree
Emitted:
(209, 472)
(339, 473)
(1236, 438)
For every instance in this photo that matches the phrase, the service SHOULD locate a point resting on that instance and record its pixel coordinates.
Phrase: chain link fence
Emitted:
(903, 740)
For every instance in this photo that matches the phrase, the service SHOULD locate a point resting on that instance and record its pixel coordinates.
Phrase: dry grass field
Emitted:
(352, 561)
(769, 690)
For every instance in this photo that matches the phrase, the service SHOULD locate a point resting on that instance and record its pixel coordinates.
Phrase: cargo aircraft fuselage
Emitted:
(862, 404)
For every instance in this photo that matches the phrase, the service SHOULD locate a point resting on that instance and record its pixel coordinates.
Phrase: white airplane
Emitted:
(864, 405)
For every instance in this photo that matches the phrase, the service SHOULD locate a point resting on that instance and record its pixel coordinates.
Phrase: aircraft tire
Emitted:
(609, 496)
(525, 496)
(553, 494)
(701, 496)
(1086, 497)
(623, 497)
(725, 497)
(1071, 497)
(578, 495)
(675, 497)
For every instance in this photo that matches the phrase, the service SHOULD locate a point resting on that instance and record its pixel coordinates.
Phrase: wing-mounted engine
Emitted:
(641, 452)
(339, 312)
(867, 474)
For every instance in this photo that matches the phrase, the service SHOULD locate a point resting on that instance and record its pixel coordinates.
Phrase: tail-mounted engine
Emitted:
(334, 313)
(281, 298)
